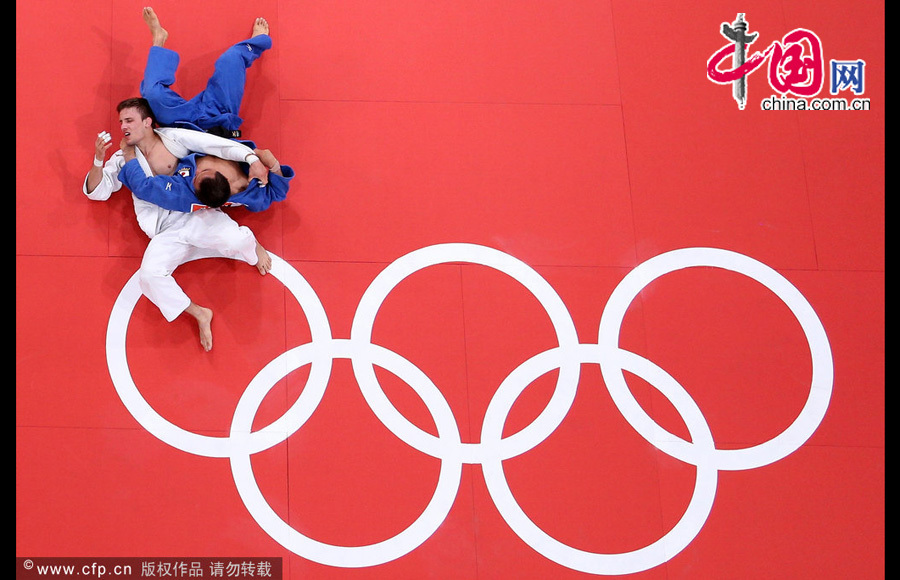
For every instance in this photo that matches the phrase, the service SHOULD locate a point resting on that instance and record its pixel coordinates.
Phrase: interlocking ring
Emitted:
(493, 448)
(204, 445)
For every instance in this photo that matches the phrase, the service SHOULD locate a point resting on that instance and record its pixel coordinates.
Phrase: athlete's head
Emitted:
(136, 119)
(213, 190)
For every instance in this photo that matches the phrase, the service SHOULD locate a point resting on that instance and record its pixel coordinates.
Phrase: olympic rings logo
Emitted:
(493, 448)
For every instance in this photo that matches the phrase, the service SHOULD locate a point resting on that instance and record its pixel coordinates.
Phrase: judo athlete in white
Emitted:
(178, 237)
(175, 237)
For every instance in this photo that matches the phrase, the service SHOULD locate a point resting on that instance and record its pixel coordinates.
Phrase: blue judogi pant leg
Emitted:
(219, 103)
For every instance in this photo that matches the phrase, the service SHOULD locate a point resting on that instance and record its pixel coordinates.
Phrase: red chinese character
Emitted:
(724, 77)
(791, 70)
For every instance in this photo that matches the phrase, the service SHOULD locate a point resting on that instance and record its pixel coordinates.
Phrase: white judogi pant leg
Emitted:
(213, 229)
(183, 237)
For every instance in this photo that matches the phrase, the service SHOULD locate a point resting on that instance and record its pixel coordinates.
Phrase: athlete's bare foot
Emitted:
(260, 26)
(156, 30)
(204, 322)
(264, 263)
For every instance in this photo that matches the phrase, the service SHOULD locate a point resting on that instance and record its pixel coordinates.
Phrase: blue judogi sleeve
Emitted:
(168, 192)
(259, 198)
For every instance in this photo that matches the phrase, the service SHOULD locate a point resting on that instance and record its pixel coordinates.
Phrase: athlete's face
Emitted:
(134, 129)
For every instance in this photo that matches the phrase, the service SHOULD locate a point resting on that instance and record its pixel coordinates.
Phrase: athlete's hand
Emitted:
(102, 145)
(269, 160)
(259, 171)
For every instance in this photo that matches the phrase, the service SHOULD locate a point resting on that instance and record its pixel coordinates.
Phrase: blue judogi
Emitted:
(215, 106)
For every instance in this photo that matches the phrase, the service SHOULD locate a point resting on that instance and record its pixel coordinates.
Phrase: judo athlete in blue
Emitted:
(200, 181)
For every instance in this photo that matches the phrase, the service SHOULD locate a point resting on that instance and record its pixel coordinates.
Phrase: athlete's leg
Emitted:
(213, 231)
(164, 253)
(159, 34)
(220, 102)
(159, 75)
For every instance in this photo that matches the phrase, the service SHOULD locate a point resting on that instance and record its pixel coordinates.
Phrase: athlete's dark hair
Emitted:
(214, 191)
(142, 105)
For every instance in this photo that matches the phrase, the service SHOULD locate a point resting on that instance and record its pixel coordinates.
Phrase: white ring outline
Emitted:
(701, 452)
(821, 384)
(206, 445)
(546, 422)
(654, 554)
(344, 556)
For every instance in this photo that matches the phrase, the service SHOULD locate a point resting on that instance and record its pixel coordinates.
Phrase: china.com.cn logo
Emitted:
(796, 66)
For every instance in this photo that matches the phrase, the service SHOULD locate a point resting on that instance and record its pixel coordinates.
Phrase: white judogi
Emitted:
(177, 237)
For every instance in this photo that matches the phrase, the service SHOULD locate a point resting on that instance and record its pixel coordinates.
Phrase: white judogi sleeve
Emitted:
(181, 142)
(109, 182)
(150, 217)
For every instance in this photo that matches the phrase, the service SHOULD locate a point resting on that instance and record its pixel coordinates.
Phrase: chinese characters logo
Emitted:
(796, 67)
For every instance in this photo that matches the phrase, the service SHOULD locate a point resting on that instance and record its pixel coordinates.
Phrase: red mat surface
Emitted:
(543, 160)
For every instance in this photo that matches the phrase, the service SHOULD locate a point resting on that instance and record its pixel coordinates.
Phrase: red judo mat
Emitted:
(546, 300)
